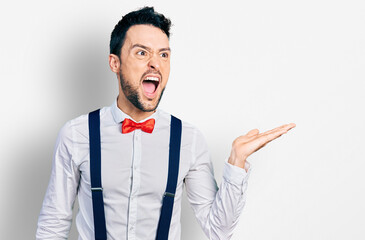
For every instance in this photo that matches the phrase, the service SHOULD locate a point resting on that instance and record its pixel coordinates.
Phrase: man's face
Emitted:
(145, 66)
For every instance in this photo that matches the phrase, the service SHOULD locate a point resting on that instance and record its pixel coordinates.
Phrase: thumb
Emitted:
(252, 132)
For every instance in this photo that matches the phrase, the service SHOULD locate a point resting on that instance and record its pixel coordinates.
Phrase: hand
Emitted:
(245, 145)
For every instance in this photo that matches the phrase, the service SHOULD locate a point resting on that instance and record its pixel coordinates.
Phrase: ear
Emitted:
(114, 63)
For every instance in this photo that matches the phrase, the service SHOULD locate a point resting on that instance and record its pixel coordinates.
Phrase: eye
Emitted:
(141, 53)
(164, 55)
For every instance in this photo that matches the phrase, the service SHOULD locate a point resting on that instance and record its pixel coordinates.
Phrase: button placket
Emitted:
(135, 184)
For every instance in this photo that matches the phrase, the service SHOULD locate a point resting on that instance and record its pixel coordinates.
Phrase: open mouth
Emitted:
(150, 85)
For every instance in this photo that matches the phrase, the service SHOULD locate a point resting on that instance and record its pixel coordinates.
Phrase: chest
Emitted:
(135, 164)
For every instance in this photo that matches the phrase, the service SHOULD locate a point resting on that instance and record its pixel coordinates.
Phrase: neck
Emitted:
(127, 107)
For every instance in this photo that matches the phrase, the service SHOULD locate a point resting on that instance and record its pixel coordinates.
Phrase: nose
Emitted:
(154, 63)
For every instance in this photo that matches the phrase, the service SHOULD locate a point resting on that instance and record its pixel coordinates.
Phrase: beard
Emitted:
(131, 93)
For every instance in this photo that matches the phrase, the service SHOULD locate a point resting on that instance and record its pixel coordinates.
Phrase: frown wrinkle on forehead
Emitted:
(146, 36)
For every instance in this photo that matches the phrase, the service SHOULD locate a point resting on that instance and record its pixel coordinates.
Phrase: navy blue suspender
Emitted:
(95, 175)
(169, 196)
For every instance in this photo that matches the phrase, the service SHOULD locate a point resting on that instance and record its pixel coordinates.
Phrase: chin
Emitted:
(149, 107)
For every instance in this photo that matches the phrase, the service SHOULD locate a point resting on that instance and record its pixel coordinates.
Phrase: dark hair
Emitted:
(146, 15)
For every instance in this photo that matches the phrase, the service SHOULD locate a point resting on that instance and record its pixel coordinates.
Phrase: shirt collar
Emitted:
(119, 115)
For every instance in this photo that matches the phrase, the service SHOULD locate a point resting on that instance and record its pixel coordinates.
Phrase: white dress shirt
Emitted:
(134, 175)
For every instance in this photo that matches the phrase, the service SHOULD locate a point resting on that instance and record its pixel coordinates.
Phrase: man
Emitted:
(135, 157)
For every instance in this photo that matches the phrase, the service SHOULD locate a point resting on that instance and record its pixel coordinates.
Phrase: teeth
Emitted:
(152, 79)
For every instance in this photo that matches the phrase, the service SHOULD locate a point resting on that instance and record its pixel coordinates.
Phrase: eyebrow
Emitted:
(149, 49)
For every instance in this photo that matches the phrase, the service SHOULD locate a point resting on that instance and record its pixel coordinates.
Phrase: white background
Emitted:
(235, 66)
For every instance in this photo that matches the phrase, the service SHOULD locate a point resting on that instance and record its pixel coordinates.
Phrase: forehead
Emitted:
(147, 35)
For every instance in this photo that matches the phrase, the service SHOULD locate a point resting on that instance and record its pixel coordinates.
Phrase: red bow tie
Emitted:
(146, 126)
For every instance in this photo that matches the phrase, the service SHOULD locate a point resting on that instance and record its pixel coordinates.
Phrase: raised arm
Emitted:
(218, 210)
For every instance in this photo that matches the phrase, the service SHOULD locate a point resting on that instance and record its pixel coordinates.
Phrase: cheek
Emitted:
(133, 69)
(166, 70)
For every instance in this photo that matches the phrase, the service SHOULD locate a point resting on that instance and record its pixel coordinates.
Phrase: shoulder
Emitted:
(78, 128)
(165, 118)
(191, 135)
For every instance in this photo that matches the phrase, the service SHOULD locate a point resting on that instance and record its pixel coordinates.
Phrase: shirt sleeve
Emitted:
(55, 218)
(217, 210)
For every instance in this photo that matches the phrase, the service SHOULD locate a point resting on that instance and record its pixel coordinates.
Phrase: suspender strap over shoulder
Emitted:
(95, 175)
(97, 189)
(169, 196)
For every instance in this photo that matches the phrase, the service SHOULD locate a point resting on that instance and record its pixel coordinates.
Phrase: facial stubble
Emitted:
(131, 93)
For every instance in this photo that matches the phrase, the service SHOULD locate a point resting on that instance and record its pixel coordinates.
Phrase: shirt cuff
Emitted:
(236, 175)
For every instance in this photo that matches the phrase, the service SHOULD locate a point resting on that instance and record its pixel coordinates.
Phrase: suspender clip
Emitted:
(169, 194)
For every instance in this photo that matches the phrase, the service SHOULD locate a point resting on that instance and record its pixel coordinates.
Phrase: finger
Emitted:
(285, 127)
(291, 126)
(273, 130)
(253, 132)
(267, 137)
(260, 140)
(249, 136)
